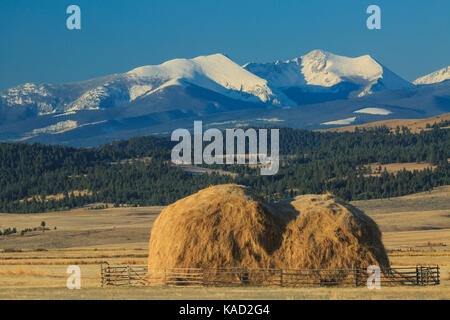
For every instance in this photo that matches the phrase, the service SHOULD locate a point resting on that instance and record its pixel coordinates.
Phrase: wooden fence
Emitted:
(140, 275)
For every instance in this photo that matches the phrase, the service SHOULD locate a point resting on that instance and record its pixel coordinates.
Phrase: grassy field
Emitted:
(415, 125)
(396, 167)
(416, 230)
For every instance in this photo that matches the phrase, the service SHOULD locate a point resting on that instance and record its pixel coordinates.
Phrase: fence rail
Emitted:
(128, 275)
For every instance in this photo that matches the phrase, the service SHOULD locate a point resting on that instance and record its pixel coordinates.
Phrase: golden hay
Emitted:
(229, 226)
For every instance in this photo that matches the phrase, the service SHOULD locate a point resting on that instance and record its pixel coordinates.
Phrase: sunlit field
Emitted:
(416, 231)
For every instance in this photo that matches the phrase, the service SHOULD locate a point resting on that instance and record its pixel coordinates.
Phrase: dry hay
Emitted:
(228, 226)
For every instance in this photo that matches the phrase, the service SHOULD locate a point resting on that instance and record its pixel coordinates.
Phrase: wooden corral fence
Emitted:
(133, 275)
(123, 275)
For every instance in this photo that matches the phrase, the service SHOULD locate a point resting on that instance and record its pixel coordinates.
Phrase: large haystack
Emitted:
(323, 232)
(228, 226)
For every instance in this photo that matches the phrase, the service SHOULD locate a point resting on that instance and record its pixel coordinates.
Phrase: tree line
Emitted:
(31, 175)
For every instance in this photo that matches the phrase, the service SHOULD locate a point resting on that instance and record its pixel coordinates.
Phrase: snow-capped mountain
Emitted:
(216, 73)
(316, 90)
(320, 71)
(434, 77)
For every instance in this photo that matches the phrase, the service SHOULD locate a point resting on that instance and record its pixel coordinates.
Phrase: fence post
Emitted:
(107, 275)
(101, 274)
(129, 275)
(356, 276)
(240, 274)
(417, 275)
(203, 277)
(438, 279)
(281, 277)
(165, 276)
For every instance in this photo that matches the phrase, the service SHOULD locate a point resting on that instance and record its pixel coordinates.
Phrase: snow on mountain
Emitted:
(215, 89)
(138, 90)
(59, 127)
(434, 77)
(379, 111)
(345, 121)
(110, 93)
(326, 69)
(29, 93)
(214, 72)
(323, 69)
(269, 83)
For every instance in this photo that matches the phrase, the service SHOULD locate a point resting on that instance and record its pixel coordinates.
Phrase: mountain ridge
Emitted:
(434, 77)
(317, 89)
(321, 69)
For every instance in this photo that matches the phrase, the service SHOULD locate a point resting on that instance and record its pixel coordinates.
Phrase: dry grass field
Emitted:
(396, 167)
(416, 231)
(415, 125)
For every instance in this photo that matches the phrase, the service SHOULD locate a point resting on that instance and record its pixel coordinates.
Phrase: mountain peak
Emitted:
(320, 68)
(215, 72)
(181, 63)
(322, 54)
(327, 69)
(316, 54)
(434, 77)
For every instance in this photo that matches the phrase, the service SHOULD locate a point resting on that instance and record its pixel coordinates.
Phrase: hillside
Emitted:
(137, 172)
(415, 125)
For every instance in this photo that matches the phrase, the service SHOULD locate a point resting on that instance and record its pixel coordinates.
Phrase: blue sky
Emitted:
(118, 35)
